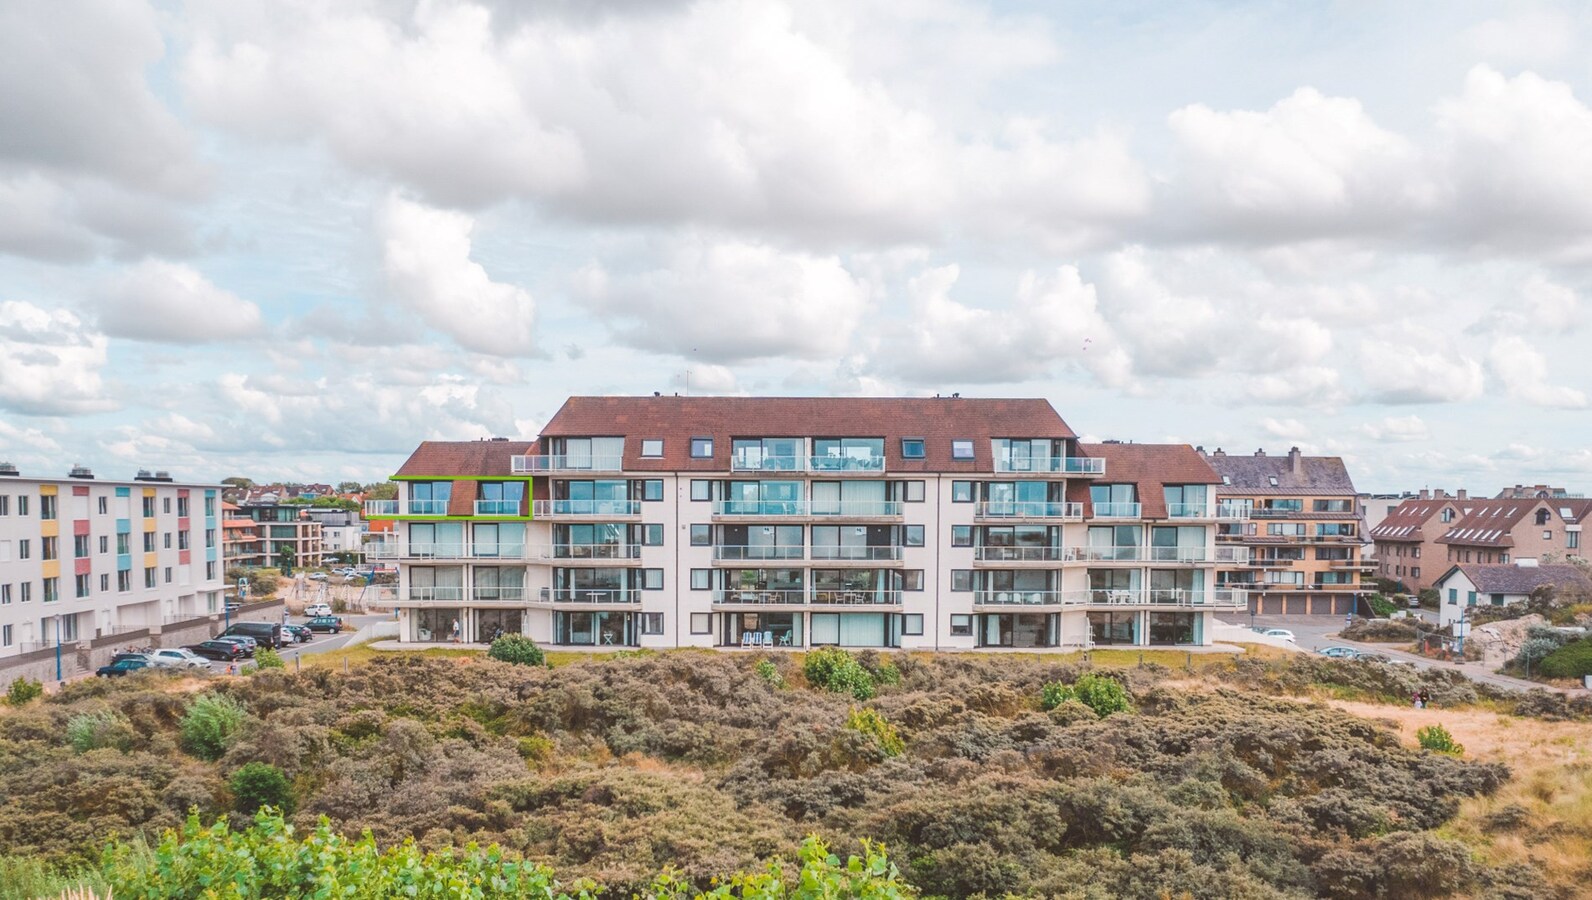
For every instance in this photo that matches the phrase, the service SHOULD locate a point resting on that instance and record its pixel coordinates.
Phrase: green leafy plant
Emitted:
(1573, 660)
(257, 785)
(1054, 694)
(1436, 738)
(833, 669)
(1102, 693)
(210, 724)
(517, 649)
(868, 722)
(97, 730)
(23, 690)
(266, 658)
(1382, 606)
(769, 672)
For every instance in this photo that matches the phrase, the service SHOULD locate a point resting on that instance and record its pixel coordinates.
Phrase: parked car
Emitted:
(178, 658)
(1283, 633)
(318, 576)
(247, 643)
(1415, 602)
(131, 654)
(329, 624)
(268, 633)
(1341, 652)
(318, 609)
(122, 666)
(221, 651)
(300, 634)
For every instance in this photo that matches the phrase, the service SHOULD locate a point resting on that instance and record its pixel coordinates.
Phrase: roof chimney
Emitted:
(1220, 452)
(1460, 494)
(1426, 494)
(1261, 452)
(1295, 461)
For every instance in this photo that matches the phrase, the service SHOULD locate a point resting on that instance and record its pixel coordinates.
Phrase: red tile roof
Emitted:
(1151, 467)
(1404, 523)
(676, 420)
(445, 459)
(1488, 523)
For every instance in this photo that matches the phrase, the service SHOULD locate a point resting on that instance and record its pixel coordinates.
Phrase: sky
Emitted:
(290, 239)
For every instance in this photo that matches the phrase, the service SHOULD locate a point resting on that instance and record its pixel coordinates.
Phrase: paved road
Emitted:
(323, 643)
(1315, 632)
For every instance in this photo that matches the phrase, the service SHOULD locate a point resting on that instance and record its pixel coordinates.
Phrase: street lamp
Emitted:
(57, 649)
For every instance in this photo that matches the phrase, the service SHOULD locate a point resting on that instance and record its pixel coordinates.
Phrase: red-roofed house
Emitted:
(1427, 535)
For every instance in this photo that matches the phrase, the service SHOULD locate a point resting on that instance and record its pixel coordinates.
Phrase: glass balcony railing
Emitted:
(515, 594)
(1019, 554)
(1232, 511)
(865, 597)
(589, 595)
(497, 507)
(551, 508)
(1187, 510)
(754, 552)
(1106, 554)
(414, 594)
(762, 462)
(1229, 554)
(381, 507)
(856, 553)
(427, 508)
(522, 465)
(1017, 597)
(593, 551)
(761, 596)
(1058, 465)
(1118, 511)
(817, 508)
(846, 463)
(1024, 509)
(1274, 512)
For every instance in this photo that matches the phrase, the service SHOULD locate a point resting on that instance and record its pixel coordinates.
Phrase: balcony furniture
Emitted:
(784, 640)
(768, 638)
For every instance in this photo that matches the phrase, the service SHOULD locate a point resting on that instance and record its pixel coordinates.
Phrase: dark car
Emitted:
(268, 634)
(122, 667)
(247, 644)
(131, 655)
(221, 651)
(330, 624)
(300, 633)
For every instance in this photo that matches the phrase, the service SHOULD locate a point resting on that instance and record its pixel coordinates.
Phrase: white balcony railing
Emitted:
(1059, 465)
(1024, 509)
(855, 553)
(1217, 597)
(1226, 553)
(413, 594)
(859, 509)
(381, 507)
(514, 594)
(1118, 511)
(397, 549)
(590, 595)
(761, 596)
(497, 507)
(754, 552)
(1233, 512)
(1267, 512)
(1020, 554)
(990, 597)
(579, 552)
(842, 597)
(524, 465)
(547, 509)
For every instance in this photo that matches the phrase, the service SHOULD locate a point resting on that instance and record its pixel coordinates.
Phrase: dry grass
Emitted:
(1552, 767)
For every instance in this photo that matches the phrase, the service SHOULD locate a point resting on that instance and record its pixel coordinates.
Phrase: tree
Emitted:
(385, 490)
(349, 487)
(259, 784)
(285, 556)
(238, 481)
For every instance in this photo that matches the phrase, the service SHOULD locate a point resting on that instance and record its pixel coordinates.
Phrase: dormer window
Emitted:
(1448, 515)
(1542, 516)
(961, 449)
(1272, 479)
(702, 448)
(912, 448)
(652, 448)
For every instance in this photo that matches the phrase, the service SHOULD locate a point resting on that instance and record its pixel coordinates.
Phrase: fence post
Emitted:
(345, 665)
(1188, 661)
(1141, 659)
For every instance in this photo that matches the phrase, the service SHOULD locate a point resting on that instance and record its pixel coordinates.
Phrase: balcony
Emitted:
(839, 509)
(526, 465)
(497, 594)
(761, 597)
(855, 553)
(1232, 512)
(1225, 553)
(1267, 512)
(413, 594)
(743, 552)
(1137, 554)
(825, 597)
(1118, 511)
(590, 595)
(1006, 509)
(842, 465)
(585, 509)
(381, 507)
(622, 554)
(759, 462)
(1019, 554)
(1029, 598)
(497, 507)
(1050, 465)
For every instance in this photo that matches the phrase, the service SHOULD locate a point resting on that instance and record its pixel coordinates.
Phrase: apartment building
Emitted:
(82, 557)
(1428, 534)
(1300, 520)
(286, 528)
(240, 539)
(943, 523)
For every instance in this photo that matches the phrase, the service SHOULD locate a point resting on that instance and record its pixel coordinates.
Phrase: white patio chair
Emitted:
(768, 638)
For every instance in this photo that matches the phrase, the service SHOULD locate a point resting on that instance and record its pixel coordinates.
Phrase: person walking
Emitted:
(455, 631)
(1426, 698)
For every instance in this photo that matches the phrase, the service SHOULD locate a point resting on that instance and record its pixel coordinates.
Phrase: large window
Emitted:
(1113, 627)
(1115, 499)
(762, 498)
(500, 498)
(429, 498)
(848, 454)
(760, 542)
(771, 629)
(1172, 628)
(1185, 500)
(767, 454)
(595, 629)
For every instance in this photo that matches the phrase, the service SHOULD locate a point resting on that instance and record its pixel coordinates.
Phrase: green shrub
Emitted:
(1102, 693)
(22, 690)
(1429, 598)
(888, 674)
(1437, 738)
(98, 730)
(767, 671)
(868, 722)
(256, 785)
(1382, 606)
(1533, 651)
(1573, 660)
(266, 658)
(210, 724)
(833, 669)
(1054, 694)
(517, 649)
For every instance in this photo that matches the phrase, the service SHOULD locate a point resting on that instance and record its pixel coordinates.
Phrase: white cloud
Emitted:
(1523, 371)
(52, 362)
(426, 257)
(1394, 429)
(1288, 429)
(1397, 373)
(173, 303)
(727, 301)
(1533, 36)
(1303, 386)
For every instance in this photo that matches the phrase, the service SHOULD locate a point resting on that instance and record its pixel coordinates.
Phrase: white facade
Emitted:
(846, 552)
(82, 558)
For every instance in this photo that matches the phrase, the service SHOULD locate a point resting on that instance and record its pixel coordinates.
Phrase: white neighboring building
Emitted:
(921, 523)
(82, 557)
(341, 530)
(1465, 586)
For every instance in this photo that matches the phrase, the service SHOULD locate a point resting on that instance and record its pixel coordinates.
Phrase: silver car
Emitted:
(177, 658)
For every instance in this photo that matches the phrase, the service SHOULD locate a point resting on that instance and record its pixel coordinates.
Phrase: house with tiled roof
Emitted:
(789, 522)
(1427, 534)
(1302, 526)
(1465, 586)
